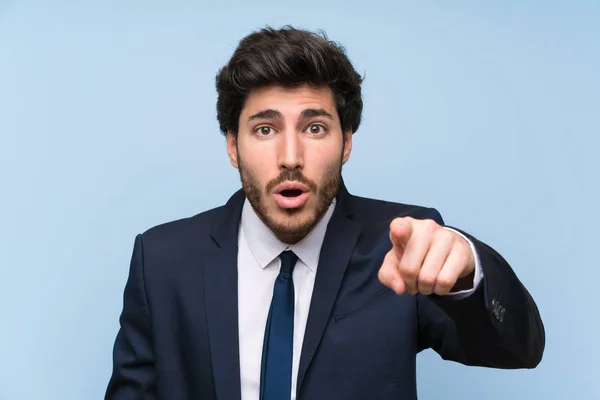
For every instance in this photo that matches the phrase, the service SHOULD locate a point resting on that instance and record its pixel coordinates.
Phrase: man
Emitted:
(296, 289)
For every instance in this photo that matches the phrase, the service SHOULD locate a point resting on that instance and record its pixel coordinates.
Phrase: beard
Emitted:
(292, 228)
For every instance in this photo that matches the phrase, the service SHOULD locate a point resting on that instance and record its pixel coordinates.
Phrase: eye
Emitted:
(316, 129)
(264, 130)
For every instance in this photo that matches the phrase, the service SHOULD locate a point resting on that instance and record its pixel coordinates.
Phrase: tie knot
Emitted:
(288, 261)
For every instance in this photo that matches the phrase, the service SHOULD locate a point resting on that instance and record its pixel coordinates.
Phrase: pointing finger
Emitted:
(410, 264)
(389, 274)
(401, 230)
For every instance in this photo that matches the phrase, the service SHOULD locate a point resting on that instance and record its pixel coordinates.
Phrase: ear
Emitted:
(347, 146)
(232, 149)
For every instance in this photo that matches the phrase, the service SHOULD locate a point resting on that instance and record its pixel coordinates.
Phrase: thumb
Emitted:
(401, 230)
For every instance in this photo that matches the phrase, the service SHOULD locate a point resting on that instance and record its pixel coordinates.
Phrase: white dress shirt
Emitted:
(258, 267)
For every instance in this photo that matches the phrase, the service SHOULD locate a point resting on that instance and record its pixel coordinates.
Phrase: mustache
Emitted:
(291, 175)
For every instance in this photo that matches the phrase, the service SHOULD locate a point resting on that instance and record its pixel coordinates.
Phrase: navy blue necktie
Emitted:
(276, 367)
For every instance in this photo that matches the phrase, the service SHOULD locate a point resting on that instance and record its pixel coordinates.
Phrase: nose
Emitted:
(291, 151)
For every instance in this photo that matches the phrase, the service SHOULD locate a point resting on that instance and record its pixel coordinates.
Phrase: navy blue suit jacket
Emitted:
(179, 335)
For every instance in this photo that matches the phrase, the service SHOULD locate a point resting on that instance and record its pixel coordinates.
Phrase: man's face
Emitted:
(289, 151)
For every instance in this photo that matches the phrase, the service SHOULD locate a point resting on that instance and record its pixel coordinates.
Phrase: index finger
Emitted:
(401, 230)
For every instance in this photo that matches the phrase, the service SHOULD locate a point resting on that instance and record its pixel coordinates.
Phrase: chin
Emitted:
(292, 216)
(296, 223)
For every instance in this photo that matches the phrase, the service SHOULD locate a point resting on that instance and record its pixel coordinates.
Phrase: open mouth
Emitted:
(291, 195)
(291, 192)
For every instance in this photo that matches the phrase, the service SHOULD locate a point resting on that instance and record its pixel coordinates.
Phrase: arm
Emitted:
(133, 374)
(496, 325)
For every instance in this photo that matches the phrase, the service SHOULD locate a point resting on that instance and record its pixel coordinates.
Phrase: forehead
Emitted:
(289, 101)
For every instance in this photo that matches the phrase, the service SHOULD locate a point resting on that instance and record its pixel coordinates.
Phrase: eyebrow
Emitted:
(307, 113)
(266, 114)
(315, 112)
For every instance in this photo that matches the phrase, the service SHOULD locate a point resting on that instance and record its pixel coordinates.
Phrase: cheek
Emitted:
(323, 163)
(259, 168)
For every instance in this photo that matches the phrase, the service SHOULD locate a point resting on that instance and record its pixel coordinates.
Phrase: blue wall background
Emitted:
(489, 112)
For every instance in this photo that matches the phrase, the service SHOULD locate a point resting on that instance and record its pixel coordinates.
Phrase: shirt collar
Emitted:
(265, 246)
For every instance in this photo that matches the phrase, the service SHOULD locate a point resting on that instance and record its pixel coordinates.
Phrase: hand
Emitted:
(426, 258)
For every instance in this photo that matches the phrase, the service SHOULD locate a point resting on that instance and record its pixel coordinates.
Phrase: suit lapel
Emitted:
(221, 300)
(340, 240)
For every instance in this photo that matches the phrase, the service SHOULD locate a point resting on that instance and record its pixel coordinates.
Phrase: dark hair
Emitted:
(287, 57)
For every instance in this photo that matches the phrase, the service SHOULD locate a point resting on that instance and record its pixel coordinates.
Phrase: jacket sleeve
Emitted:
(133, 375)
(498, 325)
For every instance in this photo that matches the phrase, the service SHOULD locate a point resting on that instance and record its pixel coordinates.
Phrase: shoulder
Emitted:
(375, 211)
(375, 217)
(182, 234)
